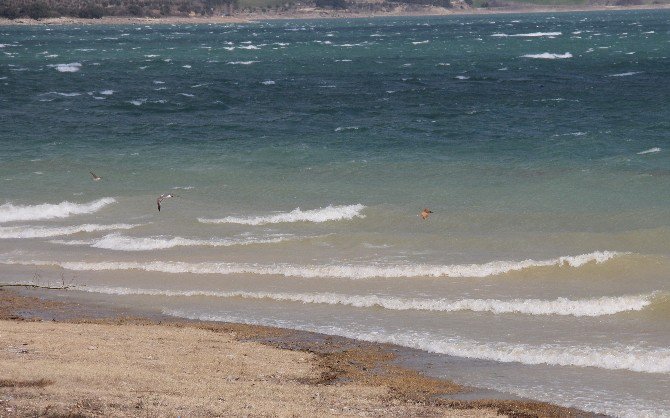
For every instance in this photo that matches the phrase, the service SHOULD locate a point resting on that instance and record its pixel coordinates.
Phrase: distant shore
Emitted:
(64, 357)
(311, 13)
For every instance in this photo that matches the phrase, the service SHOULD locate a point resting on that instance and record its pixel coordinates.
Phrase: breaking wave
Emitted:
(527, 35)
(548, 56)
(119, 242)
(652, 360)
(625, 74)
(650, 151)
(45, 232)
(329, 213)
(344, 271)
(561, 306)
(10, 212)
(67, 68)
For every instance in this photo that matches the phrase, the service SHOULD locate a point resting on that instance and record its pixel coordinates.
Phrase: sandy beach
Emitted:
(68, 359)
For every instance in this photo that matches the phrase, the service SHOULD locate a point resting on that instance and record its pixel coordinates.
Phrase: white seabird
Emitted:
(162, 197)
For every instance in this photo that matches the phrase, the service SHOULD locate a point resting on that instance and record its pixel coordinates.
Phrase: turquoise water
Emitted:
(302, 152)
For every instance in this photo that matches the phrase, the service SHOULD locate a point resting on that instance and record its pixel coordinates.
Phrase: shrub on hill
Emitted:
(331, 4)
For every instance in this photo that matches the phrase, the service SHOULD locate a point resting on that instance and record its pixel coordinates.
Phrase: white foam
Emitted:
(617, 357)
(548, 56)
(420, 42)
(343, 271)
(68, 68)
(625, 74)
(65, 94)
(346, 128)
(329, 213)
(268, 82)
(560, 306)
(10, 212)
(462, 77)
(650, 151)
(119, 242)
(43, 232)
(107, 92)
(242, 62)
(527, 35)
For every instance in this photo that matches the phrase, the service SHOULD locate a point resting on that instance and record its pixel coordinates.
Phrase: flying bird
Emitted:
(425, 213)
(161, 198)
(95, 176)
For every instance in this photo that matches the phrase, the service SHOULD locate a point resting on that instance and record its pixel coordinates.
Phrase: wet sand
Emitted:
(66, 358)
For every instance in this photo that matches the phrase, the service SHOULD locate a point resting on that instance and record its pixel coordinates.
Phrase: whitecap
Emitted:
(650, 151)
(346, 128)
(625, 74)
(10, 212)
(605, 305)
(548, 56)
(65, 94)
(462, 77)
(268, 82)
(118, 242)
(44, 232)
(615, 357)
(241, 62)
(343, 271)
(527, 35)
(420, 42)
(107, 92)
(67, 68)
(329, 213)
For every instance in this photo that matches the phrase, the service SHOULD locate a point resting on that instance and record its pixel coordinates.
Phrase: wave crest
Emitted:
(560, 306)
(344, 271)
(652, 360)
(527, 35)
(45, 232)
(119, 242)
(329, 213)
(10, 212)
(548, 56)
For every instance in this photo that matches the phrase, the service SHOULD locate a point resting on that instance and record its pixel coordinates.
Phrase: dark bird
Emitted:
(161, 198)
(95, 177)
(425, 213)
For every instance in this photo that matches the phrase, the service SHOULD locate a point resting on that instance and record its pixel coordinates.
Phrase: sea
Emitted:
(301, 153)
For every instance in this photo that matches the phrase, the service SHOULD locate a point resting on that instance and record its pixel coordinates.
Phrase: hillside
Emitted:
(95, 9)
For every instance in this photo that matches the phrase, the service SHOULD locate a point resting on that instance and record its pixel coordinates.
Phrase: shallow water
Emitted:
(301, 153)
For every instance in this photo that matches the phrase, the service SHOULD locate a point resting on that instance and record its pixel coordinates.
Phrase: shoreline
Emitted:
(308, 14)
(363, 376)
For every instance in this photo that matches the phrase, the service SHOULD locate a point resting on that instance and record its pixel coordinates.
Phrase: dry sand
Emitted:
(105, 364)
